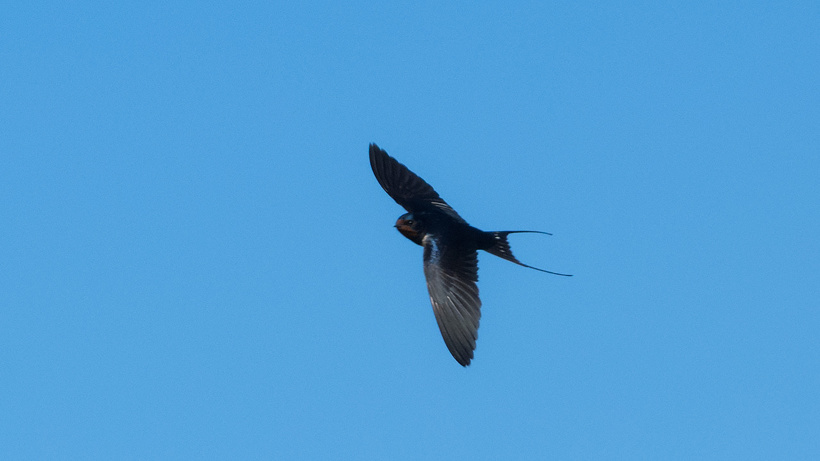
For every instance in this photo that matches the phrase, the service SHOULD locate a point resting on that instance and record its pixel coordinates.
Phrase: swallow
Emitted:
(450, 251)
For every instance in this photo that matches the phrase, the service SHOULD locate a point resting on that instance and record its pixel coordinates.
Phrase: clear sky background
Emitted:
(196, 261)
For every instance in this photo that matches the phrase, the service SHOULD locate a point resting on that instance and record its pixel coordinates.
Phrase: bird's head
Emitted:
(411, 227)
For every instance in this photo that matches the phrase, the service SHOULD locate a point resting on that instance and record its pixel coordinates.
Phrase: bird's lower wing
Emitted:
(451, 281)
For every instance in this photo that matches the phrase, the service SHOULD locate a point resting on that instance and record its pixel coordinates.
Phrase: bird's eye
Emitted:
(410, 222)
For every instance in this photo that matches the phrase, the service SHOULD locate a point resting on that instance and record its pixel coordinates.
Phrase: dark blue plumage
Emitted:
(450, 251)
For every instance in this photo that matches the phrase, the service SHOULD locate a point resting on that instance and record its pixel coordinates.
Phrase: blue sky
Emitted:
(197, 262)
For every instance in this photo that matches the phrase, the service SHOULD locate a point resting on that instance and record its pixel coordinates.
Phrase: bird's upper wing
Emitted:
(451, 281)
(406, 188)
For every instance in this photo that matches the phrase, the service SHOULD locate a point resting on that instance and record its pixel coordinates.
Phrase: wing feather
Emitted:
(451, 275)
(404, 186)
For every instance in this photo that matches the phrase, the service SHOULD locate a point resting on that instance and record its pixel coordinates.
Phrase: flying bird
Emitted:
(450, 251)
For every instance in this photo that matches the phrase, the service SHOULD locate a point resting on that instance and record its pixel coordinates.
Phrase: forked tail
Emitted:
(500, 247)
